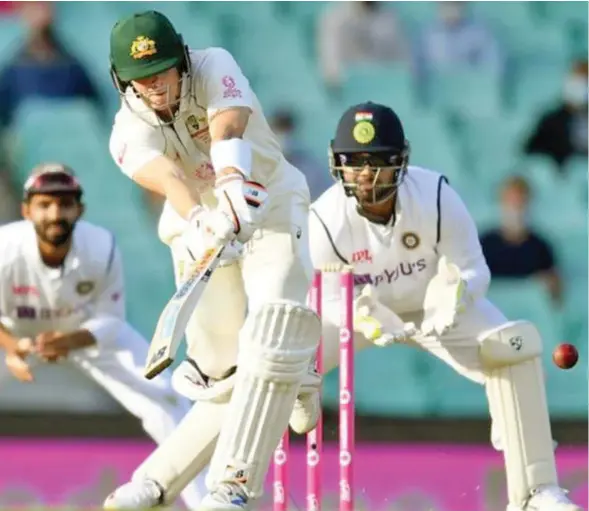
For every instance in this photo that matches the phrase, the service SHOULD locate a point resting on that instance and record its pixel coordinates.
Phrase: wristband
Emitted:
(235, 153)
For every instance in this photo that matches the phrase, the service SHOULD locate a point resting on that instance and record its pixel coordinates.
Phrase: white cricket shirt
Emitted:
(87, 292)
(400, 258)
(216, 83)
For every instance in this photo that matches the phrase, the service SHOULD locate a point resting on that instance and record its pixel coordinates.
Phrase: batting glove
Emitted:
(243, 202)
(209, 229)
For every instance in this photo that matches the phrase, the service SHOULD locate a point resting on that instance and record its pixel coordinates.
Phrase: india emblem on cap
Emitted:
(364, 132)
(142, 47)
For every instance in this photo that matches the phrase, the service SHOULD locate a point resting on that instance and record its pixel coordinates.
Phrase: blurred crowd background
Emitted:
(493, 94)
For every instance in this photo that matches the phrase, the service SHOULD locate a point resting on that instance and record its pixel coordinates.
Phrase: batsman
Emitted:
(191, 129)
(422, 281)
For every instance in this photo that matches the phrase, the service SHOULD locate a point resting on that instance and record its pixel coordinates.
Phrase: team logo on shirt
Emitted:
(362, 256)
(403, 269)
(198, 128)
(194, 123)
(410, 240)
(84, 287)
(231, 90)
(142, 47)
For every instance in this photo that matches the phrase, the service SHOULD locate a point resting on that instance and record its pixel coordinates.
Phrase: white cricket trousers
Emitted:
(275, 265)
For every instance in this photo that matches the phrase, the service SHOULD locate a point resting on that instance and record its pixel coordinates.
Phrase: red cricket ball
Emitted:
(565, 356)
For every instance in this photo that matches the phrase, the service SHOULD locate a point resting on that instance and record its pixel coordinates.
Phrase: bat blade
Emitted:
(174, 318)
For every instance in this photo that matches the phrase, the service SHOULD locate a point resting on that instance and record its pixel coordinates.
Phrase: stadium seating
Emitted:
(468, 124)
(465, 92)
(11, 34)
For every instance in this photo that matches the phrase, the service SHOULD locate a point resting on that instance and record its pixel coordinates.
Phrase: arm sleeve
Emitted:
(224, 84)
(459, 242)
(133, 146)
(109, 307)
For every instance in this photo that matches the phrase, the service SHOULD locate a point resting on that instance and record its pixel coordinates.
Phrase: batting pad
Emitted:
(517, 400)
(186, 452)
(277, 343)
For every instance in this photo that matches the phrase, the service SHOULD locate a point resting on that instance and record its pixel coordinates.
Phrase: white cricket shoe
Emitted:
(305, 413)
(139, 494)
(226, 497)
(548, 498)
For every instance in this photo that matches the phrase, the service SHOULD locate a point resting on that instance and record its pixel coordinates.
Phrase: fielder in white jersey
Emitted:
(423, 279)
(191, 129)
(62, 300)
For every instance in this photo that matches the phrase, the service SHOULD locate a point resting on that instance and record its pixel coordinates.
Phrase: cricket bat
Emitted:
(174, 318)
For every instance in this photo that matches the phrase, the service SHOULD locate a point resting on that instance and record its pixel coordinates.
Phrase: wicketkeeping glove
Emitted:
(445, 299)
(378, 323)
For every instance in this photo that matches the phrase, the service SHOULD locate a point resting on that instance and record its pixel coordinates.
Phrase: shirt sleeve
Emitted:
(109, 307)
(134, 146)
(322, 246)
(223, 83)
(459, 242)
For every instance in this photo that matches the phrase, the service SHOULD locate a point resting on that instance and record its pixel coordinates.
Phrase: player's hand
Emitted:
(199, 240)
(208, 228)
(52, 346)
(445, 299)
(243, 202)
(194, 261)
(16, 360)
(378, 323)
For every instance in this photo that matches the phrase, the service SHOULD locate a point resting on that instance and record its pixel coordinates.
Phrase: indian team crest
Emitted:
(364, 132)
(410, 240)
(84, 287)
(142, 47)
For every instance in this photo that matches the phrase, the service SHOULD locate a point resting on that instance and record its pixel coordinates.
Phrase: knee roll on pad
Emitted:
(510, 355)
(277, 343)
(511, 343)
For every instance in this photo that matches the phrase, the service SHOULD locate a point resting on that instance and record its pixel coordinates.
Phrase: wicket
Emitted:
(346, 410)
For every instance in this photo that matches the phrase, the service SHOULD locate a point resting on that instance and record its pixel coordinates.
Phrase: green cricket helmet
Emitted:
(143, 45)
(370, 135)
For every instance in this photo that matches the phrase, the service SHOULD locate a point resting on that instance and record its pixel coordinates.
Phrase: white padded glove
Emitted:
(243, 202)
(445, 299)
(209, 229)
(378, 323)
(199, 240)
